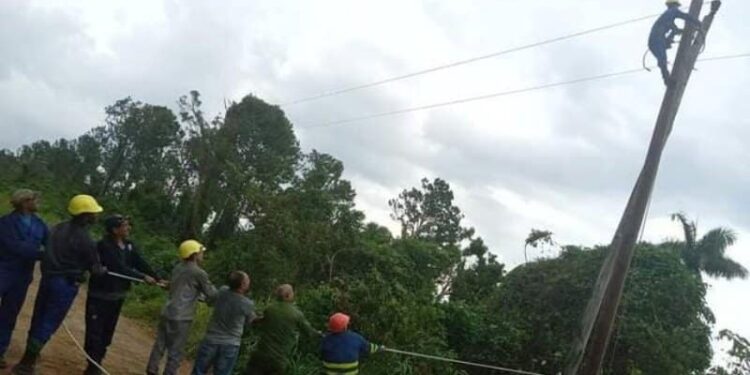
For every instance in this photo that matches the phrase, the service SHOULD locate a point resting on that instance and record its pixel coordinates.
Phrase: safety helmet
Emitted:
(84, 204)
(338, 322)
(673, 2)
(190, 247)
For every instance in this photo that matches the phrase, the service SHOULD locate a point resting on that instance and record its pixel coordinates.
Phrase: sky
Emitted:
(562, 159)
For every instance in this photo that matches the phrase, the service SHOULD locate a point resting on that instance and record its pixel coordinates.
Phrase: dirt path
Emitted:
(127, 355)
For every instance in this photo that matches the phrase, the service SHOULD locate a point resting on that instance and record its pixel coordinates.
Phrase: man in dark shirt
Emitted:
(71, 253)
(107, 293)
(22, 236)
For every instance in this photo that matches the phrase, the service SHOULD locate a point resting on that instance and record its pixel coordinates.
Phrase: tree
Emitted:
(428, 213)
(536, 238)
(539, 303)
(739, 355)
(707, 254)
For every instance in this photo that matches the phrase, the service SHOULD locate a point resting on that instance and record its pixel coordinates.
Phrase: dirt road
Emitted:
(126, 356)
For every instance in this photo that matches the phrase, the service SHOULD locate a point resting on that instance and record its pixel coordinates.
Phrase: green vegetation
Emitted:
(240, 184)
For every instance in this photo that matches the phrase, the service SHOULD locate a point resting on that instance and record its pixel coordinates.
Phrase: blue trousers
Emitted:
(56, 295)
(13, 288)
(658, 48)
(221, 357)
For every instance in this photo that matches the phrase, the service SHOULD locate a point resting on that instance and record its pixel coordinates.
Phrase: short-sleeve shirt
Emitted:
(232, 312)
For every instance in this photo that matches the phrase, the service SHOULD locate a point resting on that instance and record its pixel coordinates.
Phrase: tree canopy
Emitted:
(240, 182)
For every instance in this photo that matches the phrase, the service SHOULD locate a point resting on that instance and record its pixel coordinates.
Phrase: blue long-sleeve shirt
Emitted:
(341, 352)
(665, 24)
(21, 240)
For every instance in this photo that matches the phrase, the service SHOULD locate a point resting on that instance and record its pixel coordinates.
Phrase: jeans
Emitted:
(221, 357)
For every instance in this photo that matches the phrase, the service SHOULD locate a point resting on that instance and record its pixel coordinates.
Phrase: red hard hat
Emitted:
(338, 322)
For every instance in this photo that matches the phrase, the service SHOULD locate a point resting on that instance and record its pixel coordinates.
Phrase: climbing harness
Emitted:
(443, 359)
(78, 345)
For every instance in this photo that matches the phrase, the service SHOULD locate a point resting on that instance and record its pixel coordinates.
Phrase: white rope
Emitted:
(78, 345)
(443, 359)
(126, 277)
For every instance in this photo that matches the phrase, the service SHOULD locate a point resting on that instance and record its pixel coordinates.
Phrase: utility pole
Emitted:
(590, 347)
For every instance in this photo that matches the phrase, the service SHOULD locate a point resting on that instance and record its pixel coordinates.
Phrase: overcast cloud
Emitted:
(562, 159)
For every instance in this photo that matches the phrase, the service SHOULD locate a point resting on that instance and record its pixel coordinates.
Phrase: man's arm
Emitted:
(141, 266)
(305, 326)
(10, 242)
(207, 288)
(688, 18)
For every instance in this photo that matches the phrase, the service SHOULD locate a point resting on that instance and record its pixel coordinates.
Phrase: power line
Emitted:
(464, 62)
(504, 93)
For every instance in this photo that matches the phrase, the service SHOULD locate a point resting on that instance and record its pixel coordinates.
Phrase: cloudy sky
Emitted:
(562, 159)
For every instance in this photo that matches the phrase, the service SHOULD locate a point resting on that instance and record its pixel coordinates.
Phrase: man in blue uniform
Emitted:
(71, 253)
(341, 349)
(22, 236)
(663, 33)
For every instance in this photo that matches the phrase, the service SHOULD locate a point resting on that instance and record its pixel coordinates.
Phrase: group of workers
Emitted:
(67, 253)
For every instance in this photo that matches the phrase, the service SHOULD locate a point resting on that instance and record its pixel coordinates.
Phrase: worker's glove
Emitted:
(379, 348)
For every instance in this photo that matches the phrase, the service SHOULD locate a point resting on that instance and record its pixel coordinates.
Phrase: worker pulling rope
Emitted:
(78, 344)
(456, 361)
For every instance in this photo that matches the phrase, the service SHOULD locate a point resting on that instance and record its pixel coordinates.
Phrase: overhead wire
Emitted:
(466, 61)
(502, 93)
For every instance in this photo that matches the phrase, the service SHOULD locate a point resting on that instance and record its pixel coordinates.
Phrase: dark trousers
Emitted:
(101, 321)
(53, 300)
(659, 49)
(13, 287)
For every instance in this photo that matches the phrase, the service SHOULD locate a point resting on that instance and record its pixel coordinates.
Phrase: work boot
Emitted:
(27, 365)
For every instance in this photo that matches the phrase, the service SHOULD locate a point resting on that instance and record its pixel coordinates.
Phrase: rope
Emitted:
(443, 359)
(504, 93)
(466, 61)
(78, 345)
(126, 277)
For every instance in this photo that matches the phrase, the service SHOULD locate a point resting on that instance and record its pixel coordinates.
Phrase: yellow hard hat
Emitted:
(84, 204)
(189, 248)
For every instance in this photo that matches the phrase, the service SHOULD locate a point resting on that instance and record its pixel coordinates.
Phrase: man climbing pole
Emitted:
(71, 253)
(342, 349)
(663, 33)
(188, 283)
(279, 328)
(107, 293)
(22, 236)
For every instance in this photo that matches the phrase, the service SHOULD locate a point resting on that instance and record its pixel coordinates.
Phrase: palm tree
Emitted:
(707, 254)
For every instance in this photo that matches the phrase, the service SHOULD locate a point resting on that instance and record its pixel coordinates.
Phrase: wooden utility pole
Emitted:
(591, 345)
